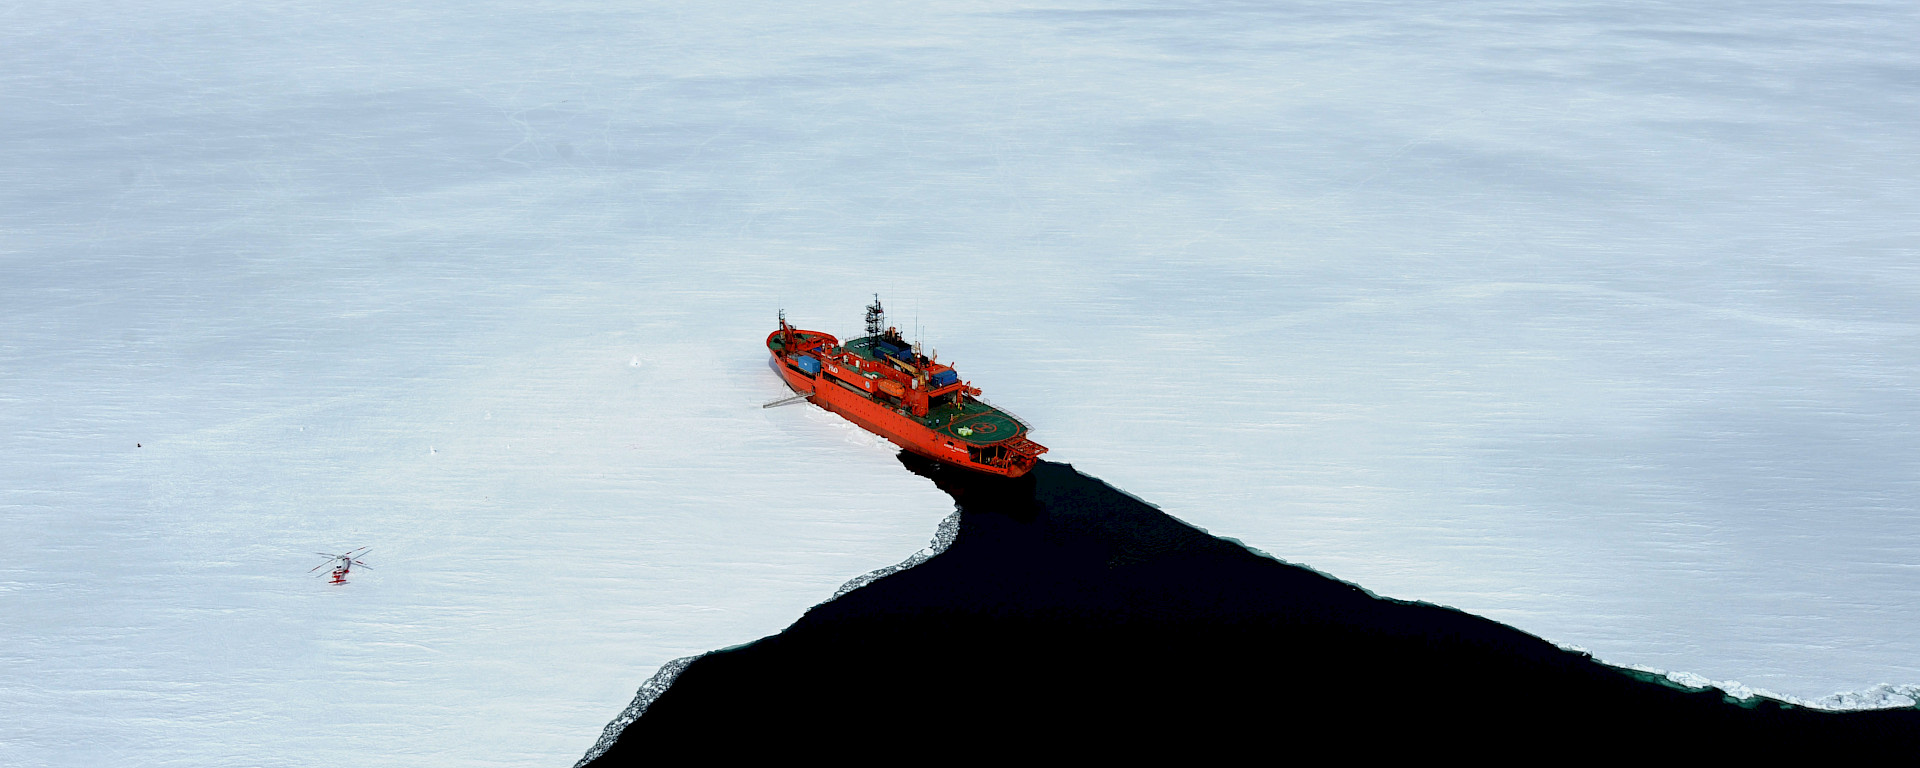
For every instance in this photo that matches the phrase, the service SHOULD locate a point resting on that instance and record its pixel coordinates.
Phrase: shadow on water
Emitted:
(1070, 619)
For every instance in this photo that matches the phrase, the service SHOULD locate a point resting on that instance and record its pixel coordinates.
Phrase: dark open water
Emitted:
(1069, 619)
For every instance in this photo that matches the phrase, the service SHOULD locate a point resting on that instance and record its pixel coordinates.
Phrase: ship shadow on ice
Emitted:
(1069, 619)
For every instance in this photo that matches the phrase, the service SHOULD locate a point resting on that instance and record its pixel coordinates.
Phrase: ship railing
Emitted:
(1004, 412)
(1021, 446)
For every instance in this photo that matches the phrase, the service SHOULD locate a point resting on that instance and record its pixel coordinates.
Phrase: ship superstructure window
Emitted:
(987, 454)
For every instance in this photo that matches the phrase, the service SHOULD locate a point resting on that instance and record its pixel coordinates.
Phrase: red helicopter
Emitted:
(342, 564)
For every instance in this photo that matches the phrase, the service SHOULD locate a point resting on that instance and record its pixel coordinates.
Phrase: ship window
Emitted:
(990, 454)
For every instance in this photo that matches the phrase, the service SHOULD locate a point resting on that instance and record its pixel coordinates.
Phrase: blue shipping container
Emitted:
(944, 378)
(808, 364)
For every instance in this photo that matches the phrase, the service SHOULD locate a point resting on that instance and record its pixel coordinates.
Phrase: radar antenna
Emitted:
(876, 316)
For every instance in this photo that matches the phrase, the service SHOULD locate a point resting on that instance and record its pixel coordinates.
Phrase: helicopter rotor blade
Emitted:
(342, 561)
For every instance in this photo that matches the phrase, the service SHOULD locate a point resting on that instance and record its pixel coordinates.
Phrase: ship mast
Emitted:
(919, 365)
(876, 316)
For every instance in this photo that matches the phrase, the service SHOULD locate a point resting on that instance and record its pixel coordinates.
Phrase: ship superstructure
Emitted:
(888, 387)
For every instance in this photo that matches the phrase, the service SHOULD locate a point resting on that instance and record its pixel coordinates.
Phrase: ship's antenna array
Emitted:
(876, 317)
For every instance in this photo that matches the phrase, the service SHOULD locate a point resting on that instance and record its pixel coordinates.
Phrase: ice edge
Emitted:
(654, 686)
(1881, 696)
(649, 690)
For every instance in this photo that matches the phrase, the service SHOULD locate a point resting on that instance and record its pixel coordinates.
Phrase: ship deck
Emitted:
(987, 423)
(803, 337)
(863, 347)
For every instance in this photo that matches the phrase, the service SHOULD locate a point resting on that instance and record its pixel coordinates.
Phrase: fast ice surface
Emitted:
(1596, 319)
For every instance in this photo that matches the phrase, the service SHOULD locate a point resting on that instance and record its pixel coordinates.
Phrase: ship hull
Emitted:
(900, 430)
(898, 426)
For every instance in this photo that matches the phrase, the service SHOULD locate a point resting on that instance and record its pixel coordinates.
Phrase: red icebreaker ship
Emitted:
(886, 386)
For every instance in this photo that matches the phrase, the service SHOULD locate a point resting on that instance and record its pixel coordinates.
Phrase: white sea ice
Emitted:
(1597, 319)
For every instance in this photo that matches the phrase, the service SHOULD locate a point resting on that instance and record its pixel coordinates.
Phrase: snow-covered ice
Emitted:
(1598, 319)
